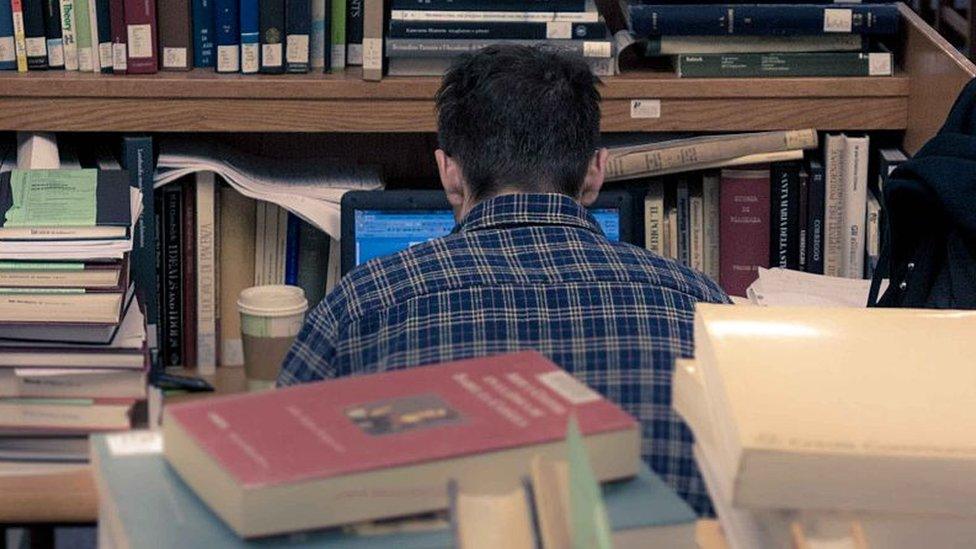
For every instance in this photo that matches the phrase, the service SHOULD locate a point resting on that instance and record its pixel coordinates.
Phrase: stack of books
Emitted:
(73, 353)
(767, 39)
(424, 36)
(804, 423)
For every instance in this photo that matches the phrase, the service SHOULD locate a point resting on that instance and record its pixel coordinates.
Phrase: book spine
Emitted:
(815, 218)
(508, 16)
(137, 159)
(696, 229)
(744, 228)
(250, 37)
(497, 30)
(52, 30)
(694, 153)
(855, 198)
(654, 218)
(8, 51)
(835, 157)
(678, 45)
(489, 5)
(227, 26)
(189, 280)
(20, 38)
(316, 39)
(83, 35)
(781, 194)
(684, 225)
(176, 37)
(671, 232)
(68, 43)
(280, 245)
(259, 239)
(141, 36)
(775, 20)
(711, 218)
(172, 294)
(103, 21)
(373, 40)
(93, 35)
(750, 65)
(206, 274)
(338, 22)
(292, 249)
(271, 20)
(313, 261)
(435, 47)
(803, 194)
(35, 37)
(119, 55)
(354, 32)
(298, 19)
(872, 241)
(203, 33)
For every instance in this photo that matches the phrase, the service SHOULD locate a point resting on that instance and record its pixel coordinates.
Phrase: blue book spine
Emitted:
(816, 195)
(250, 43)
(227, 25)
(292, 246)
(354, 32)
(8, 56)
(203, 33)
(104, 22)
(763, 20)
(137, 159)
(490, 5)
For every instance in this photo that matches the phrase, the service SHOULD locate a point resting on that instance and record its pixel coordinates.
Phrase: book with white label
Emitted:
(855, 204)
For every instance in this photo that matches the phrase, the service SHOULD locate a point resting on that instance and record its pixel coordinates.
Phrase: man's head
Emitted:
(518, 119)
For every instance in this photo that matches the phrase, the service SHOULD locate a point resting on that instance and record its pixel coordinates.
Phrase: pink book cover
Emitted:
(352, 425)
(744, 227)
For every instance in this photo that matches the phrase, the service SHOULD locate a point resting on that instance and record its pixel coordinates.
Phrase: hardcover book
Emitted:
(141, 36)
(250, 37)
(228, 29)
(138, 160)
(788, 64)
(498, 30)
(271, 22)
(68, 43)
(20, 38)
(334, 447)
(337, 23)
(354, 32)
(203, 33)
(52, 29)
(176, 36)
(8, 52)
(320, 33)
(102, 21)
(298, 20)
(743, 227)
(784, 237)
(83, 35)
(117, 28)
(35, 34)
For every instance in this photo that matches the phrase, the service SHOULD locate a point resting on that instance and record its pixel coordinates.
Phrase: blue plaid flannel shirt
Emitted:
(524, 271)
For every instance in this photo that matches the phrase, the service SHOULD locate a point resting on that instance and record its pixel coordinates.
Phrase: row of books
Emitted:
(74, 354)
(819, 215)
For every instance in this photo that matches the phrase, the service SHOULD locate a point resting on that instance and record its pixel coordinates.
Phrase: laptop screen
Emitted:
(383, 232)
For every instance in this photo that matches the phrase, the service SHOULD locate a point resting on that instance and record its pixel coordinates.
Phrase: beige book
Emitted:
(236, 269)
(710, 220)
(654, 218)
(492, 520)
(835, 158)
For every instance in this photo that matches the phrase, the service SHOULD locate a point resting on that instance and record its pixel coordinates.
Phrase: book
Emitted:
(271, 22)
(206, 279)
(236, 269)
(171, 275)
(497, 30)
(250, 37)
(654, 218)
(137, 158)
(373, 31)
(292, 249)
(763, 19)
(711, 202)
(63, 274)
(313, 262)
(816, 192)
(743, 227)
(855, 201)
(872, 237)
(317, 35)
(298, 20)
(437, 66)
(101, 333)
(8, 51)
(802, 216)
(354, 32)
(202, 17)
(93, 414)
(504, 16)
(489, 5)
(83, 35)
(677, 45)
(52, 31)
(835, 160)
(141, 36)
(671, 230)
(447, 47)
(35, 34)
(784, 237)
(60, 306)
(383, 430)
(102, 44)
(760, 393)
(337, 24)
(683, 236)
(784, 64)
(227, 35)
(41, 449)
(496, 518)
(888, 160)
(20, 38)
(670, 156)
(64, 205)
(69, 47)
(696, 227)
(188, 240)
(117, 28)
(176, 36)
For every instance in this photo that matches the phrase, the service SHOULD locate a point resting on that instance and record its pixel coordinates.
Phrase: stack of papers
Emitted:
(310, 188)
(786, 288)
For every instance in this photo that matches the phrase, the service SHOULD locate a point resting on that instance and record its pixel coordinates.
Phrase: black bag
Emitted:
(930, 213)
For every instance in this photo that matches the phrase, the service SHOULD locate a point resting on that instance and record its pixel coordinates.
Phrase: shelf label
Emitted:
(879, 64)
(174, 58)
(838, 20)
(645, 108)
(140, 41)
(562, 30)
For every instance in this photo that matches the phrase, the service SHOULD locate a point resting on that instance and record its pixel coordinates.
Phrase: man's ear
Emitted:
(451, 179)
(595, 174)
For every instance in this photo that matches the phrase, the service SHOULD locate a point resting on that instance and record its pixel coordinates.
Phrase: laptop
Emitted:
(378, 223)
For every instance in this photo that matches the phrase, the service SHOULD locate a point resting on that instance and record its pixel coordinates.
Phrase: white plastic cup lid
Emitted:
(272, 300)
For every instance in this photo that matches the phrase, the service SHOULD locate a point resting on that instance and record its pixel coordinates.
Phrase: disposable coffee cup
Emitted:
(271, 317)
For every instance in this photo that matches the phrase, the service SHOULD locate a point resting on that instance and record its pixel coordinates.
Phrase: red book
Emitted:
(141, 32)
(744, 227)
(117, 16)
(386, 445)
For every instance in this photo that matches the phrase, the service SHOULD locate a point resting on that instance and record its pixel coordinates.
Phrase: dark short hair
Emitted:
(520, 117)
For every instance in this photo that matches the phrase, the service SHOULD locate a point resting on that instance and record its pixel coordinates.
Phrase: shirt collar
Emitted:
(521, 209)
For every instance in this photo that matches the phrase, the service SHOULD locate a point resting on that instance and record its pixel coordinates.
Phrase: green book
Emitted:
(338, 23)
(83, 36)
(788, 64)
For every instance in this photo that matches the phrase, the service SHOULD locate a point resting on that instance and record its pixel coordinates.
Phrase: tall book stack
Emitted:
(73, 353)
(424, 36)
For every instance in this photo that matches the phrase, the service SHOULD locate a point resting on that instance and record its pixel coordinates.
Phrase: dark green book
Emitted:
(739, 65)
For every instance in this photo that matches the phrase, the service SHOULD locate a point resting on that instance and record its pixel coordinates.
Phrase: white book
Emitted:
(872, 238)
(672, 234)
(855, 203)
(835, 158)
(711, 219)
(696, 230)
(654, 218)
(206, 331)
(96, 63)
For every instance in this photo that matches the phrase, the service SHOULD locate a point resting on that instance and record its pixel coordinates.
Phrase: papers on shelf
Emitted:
(311, 188)
(785, 288)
